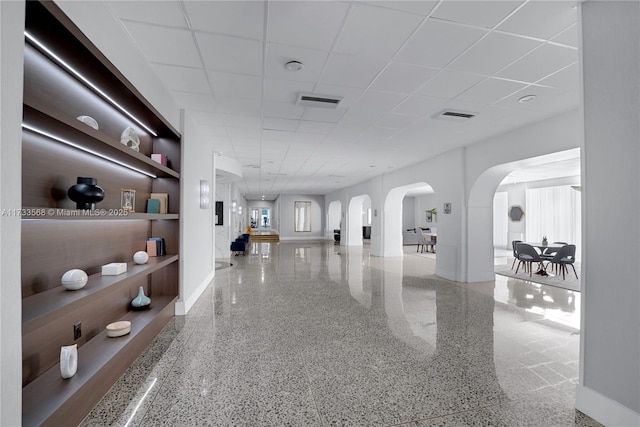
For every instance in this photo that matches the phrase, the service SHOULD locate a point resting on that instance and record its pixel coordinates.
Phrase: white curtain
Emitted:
(500, 221)
(554, 212)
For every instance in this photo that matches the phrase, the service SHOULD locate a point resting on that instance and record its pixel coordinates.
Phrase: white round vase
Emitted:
(68, 360)
(140, 257)
(74, 279)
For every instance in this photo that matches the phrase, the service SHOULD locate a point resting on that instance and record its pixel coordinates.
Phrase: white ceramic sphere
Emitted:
(140, 257)
(74, 279)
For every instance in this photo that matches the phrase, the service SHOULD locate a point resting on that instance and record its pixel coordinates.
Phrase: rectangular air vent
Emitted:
(319, 101)
(452, 115)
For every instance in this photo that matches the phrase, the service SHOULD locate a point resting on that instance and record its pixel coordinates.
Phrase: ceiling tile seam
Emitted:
(131, 38)
(152, 24)
(391, 60)
(555, 72)
(265, 22)
(333, 45)
(185, 15)
(519, 58)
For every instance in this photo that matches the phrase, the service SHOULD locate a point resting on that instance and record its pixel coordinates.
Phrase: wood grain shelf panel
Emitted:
(44, 118)
(31, 213)
(45, 307)
(52, 400)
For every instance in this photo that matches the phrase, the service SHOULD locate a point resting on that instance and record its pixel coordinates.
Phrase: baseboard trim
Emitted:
(605, 410)
(182, 307)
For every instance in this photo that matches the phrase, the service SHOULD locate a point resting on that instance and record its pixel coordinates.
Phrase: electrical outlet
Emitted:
(77, 331)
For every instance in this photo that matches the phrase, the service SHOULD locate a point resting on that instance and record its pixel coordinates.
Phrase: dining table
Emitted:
(553, 247)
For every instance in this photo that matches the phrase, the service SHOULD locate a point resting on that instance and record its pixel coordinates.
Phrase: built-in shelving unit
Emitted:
(56, 237)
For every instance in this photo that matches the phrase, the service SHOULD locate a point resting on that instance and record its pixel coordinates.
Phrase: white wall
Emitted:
(223, 232)
(196, 224)
(11, 75)
(285, 216)
(609, 385)
(408, 212)
(423, 203)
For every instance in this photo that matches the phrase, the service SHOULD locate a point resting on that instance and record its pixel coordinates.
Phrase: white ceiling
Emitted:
(395, 63)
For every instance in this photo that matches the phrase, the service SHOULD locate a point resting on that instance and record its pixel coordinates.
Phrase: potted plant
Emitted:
(544, 240)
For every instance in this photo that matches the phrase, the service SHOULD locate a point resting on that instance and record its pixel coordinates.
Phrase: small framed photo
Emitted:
(128, 200)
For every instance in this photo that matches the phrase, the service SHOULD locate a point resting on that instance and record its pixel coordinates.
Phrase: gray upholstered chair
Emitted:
(515, 252)
(565, 256)
(527, 254)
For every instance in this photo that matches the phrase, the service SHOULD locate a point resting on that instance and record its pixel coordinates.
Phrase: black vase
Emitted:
(86, 193)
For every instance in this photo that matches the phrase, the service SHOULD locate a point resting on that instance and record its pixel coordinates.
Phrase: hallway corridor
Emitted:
(315, 334)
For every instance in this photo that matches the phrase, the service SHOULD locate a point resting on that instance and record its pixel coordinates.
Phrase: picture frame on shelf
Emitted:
(128, 200)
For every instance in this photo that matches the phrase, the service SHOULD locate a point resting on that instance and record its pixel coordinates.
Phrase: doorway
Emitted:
(260, 218)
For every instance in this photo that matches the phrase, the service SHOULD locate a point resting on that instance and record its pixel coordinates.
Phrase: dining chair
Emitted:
(419, 239)
(527, 254)
(515, 251)
(548, 253)
(566, 255)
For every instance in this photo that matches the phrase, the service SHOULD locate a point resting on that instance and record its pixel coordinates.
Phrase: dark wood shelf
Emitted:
(44, 118)
(52, 400)
(31, 213)
(44, 307)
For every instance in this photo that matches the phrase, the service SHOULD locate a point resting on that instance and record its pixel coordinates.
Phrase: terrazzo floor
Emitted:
(315, 334)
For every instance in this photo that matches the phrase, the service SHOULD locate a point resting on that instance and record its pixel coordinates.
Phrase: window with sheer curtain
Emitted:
(553, 212)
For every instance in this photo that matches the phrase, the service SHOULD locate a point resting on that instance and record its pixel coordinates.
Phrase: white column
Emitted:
(609, 388)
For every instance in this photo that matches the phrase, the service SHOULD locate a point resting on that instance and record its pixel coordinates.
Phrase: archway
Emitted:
(480, 253)
(355, 220)
(334, 216)
(393, 214)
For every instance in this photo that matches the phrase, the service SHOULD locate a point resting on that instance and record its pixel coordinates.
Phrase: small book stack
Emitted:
(160, 158)
(158, 203)
(155, 246)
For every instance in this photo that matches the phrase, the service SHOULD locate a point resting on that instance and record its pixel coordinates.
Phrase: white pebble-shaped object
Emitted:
(140, 257)
(74, 279)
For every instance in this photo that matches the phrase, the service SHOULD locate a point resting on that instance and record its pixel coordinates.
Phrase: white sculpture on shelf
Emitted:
(140, 257)
(68, 360)
(130, 139)
(74, 279)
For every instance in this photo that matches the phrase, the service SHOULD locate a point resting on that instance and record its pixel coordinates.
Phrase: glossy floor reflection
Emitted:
(314, 334)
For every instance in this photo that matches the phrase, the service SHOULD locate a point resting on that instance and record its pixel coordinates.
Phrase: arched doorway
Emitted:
(356, 218)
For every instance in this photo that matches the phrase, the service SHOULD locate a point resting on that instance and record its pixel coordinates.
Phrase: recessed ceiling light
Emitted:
(527, 98)
(294, 65)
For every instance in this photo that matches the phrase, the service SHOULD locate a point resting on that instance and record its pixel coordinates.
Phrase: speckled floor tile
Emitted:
(313, 334)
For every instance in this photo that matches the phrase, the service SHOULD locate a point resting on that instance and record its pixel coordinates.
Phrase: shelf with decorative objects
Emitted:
(95, 152)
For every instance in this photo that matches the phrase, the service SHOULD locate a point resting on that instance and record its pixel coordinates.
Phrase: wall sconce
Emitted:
(233, 206)
(239, 210)
(204, 194)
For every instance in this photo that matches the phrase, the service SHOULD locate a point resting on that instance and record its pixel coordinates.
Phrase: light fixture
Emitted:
(294, 65)
(527, 98)
(204, 194)
(86, 81)
(86, 150)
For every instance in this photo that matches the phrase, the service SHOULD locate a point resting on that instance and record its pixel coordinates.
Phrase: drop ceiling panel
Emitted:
(307, 126)
(449, 84)
(230, 54)
(348, 70)
(492, 53)
(540, 63)
(285, 90)
(241, 121)
(349, 94)
(403, 78)
(543, 95)
(378, 101)
(195, 101)
(436, 43)
(417, 105)
(395, 121)
(167, 13)
(567, 78)
(235, 133)
(182, 78)
(237, 18)
(421, 7)
(375, 32)
(287, 125)
(324, 114)
(490, 91)
(282, 110)
(543, 19)
(305, 23)
(235, 85)
(568, 37)
(241, 106)
(482, 14)
(164, 45)
(279, 55)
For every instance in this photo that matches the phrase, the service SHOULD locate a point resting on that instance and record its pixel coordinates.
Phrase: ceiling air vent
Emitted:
(457, 116)
(319, 101)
